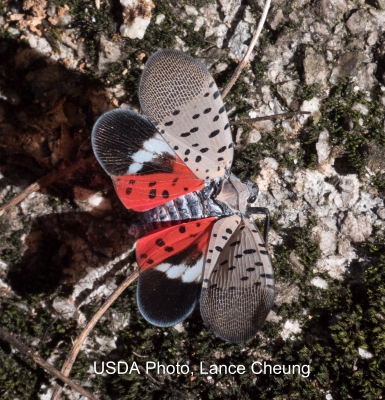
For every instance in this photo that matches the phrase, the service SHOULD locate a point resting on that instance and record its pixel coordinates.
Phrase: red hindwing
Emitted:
(162, 244)
(143, 192)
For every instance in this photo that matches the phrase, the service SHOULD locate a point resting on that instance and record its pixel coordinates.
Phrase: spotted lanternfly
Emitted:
(195, 241)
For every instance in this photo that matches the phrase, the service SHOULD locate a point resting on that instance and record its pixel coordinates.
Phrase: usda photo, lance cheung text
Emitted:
(151, 367)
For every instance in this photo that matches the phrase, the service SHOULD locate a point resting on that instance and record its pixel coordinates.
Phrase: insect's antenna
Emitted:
(266, 212)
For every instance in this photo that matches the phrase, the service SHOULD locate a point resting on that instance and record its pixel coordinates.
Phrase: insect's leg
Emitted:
(266, 212)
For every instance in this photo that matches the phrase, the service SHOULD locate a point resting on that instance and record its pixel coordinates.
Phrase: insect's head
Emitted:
(237, 193)
(253, 190)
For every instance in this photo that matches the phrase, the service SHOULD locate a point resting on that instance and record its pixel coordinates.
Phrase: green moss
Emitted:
(196, 3)
(19, 377)
(347, 127)
(307, 92)
(12, 245)
(89, 22)
(247, 162)
(246, 165)
(379, 181)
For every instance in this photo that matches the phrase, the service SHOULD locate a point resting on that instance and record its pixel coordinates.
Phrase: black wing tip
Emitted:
(108, 117)
(165, 302)
(161, 323)
(114, 135)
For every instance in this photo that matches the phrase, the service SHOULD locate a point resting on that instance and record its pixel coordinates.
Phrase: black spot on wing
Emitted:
(249, 251)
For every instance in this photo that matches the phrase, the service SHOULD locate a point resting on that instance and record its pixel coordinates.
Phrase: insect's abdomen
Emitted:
(185, 207)
(194, 205)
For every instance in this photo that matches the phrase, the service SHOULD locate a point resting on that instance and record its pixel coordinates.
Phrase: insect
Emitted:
(174, 165)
